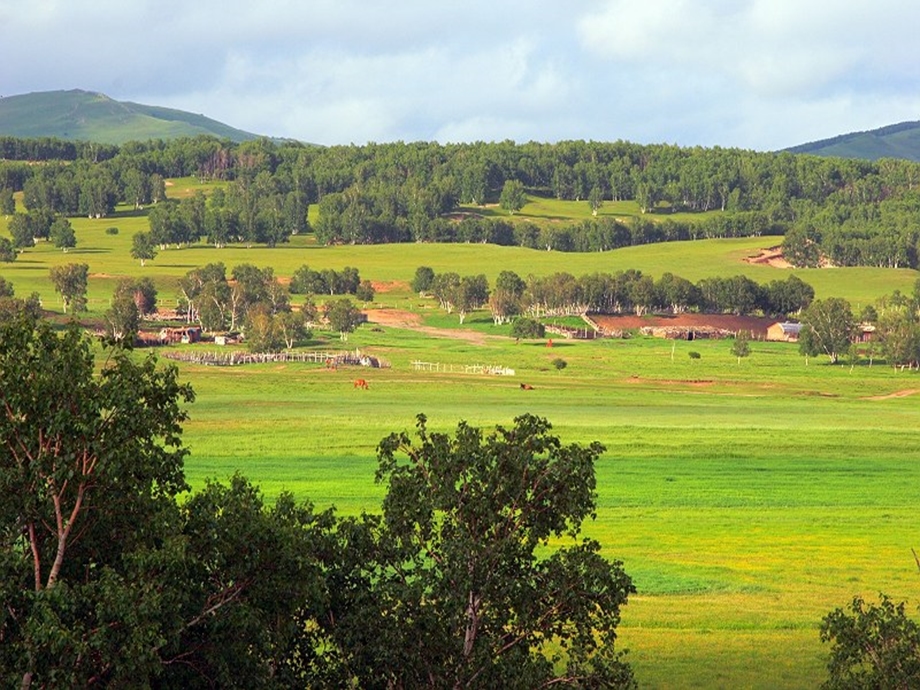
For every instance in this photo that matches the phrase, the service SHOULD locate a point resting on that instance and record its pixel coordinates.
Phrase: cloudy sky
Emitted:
(758, 74)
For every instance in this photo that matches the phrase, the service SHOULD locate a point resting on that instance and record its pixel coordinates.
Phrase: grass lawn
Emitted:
(745, 500)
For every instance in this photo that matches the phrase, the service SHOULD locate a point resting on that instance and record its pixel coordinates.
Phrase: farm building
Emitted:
(865, 333)
(787, 331)
(192, 334)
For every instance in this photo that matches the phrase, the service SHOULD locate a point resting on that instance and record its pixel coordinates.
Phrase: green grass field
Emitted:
(746, 500)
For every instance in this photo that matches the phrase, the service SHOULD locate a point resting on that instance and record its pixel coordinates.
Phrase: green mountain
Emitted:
(894, 141)
(87, 116)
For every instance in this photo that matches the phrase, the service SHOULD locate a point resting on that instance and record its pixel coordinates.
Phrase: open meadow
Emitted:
(745, 499)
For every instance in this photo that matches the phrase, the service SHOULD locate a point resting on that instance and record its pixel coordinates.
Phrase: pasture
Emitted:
(746, 500)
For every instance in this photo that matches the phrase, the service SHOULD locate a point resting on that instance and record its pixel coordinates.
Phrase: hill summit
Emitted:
(894, 141)
(89, 116)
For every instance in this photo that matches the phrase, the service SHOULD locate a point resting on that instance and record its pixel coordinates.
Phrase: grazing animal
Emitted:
(361, 383)
(526, 387)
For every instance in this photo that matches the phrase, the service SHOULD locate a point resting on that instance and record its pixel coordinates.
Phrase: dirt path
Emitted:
(400, 318)
(772, 256)
(897, 394)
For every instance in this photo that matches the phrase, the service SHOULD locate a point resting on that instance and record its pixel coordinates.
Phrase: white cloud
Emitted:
(752, 73)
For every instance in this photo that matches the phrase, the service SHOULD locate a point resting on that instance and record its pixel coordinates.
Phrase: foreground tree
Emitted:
(874, 646)
(106, 578)
(85, 460)
(454, 594)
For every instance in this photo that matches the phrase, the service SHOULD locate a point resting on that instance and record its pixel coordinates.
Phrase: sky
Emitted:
(753, 74)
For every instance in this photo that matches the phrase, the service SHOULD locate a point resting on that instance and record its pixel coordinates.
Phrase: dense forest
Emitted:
(839, 211)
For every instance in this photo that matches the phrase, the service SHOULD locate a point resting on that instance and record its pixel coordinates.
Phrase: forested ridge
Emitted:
(839, 211)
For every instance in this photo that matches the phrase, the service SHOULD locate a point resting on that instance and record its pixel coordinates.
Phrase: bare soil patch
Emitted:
(394, 318)
(729, 322)
(897, 394)
(389, 285)
(400, 318)
(772, 256)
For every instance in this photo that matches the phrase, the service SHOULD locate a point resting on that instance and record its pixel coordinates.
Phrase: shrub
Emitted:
(694, 355)
(111, 231)
(560, 363)
(527, 328)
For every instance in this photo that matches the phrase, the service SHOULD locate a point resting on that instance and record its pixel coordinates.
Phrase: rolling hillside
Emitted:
(88, 116)
(894, 141)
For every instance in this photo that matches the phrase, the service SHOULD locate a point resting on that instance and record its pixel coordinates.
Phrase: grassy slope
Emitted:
(746, 500)
(895, 141)
(90, 116)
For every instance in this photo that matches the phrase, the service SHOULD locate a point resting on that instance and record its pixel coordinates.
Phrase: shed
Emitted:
(784, 331)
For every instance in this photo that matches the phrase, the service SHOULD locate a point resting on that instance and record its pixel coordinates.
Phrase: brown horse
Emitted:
(361, 383)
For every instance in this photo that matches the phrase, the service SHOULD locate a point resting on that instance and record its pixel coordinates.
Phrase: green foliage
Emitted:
(828, 327)
(423, 279)
(262, 333)
(89, 465)
(111, 230)
(62, 235)
(741, 345)
(142, 247)
(873, 646)
(693, 354)
(70, 281)
(7, 202)
(365, 291)
(343, 316)
(447, 590)
(527, 328)
(512, 198)
(559, 364)
(122, 319)
(8, 252)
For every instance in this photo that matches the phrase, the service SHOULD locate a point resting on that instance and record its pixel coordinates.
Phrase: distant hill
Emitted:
(894, 141)
(87, 116)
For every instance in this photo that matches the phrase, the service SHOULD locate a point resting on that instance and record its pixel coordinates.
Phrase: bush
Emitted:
(365, 291)
(694, 355)
(560, 363)
(527, 328)
(111, 231)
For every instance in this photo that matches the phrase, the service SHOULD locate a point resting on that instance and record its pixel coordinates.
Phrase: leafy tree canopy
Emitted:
(456, 595)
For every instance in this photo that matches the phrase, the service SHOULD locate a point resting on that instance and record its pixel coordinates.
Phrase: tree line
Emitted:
(630, 291)
(845, 211)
